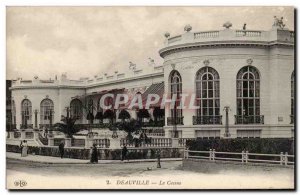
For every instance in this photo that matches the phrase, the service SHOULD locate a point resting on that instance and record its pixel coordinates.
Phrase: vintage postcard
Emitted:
(150, 98)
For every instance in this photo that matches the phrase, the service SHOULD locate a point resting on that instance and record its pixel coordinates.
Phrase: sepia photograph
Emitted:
(150, 98)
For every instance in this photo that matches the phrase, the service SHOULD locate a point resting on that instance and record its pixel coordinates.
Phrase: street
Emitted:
(139, 176)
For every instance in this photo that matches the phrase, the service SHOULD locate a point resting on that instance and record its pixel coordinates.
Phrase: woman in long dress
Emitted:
(94, 156)
(24, 149)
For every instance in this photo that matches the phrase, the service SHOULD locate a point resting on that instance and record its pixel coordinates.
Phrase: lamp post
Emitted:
(51, 112)
(227, 134)
(68, 111)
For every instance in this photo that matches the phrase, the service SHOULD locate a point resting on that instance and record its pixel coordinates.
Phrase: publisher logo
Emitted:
(20, 183)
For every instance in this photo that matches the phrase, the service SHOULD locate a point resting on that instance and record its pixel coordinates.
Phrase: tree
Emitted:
(124, 115)
(90, 117)
(67, 126)
(143, 113)
(133, 126)
(99, 116)
(158, 113)
(109, 114)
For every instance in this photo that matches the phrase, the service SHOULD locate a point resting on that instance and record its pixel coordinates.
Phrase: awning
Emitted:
(157, 88)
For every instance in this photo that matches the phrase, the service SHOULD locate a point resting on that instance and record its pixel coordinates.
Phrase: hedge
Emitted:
(252, 145)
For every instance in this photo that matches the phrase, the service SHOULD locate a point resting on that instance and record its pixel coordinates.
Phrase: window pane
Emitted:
(204, 94)
(210, 103)
(256, 92)
(210, 85)
(211, 111)
(204, 111)
(245, 93)
(251, 111)
(217, 111)
(217, 93)
(250, 76)
(210, 93)
(205, 103)
(217, 85)
(217, 103)
(204, 85)
(257, 110)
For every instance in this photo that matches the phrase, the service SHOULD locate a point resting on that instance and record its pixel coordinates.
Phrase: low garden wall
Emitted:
(103, 154)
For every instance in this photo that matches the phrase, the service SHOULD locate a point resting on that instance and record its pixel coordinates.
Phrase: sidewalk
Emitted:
(57, 160)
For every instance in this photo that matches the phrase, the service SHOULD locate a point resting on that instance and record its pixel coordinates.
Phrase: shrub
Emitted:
(252, 145)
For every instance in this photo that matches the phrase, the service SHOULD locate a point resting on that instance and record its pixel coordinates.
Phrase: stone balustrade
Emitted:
(84, 82)
(231, 35)
(206, 34)
(87, 141)
(248, 33)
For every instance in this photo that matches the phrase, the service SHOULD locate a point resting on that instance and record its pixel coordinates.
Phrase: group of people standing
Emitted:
(24, 148)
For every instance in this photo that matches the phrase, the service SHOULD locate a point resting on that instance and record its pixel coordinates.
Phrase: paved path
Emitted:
(57, 160)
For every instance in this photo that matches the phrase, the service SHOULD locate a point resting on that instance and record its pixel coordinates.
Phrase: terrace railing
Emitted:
(102, 143)
(248, 33)
(151, 142)
(175, 121)
(255, 119)
(182, 141)
(206, 34)
(207, 120)
(26, 126)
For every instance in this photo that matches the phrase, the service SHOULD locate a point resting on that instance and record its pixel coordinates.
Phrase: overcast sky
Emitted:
(87, 41)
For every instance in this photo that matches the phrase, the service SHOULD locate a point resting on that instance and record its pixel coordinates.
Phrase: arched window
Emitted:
(175, 89)
(248, 96)
(292, 96)
(26, 112)
(207, 97)
(47, 111)
(76, 109)
(175, 83)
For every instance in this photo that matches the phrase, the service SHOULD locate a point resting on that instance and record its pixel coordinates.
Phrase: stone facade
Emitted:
(226, 51)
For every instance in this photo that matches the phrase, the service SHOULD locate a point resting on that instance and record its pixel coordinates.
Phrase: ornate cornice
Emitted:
(222, 44)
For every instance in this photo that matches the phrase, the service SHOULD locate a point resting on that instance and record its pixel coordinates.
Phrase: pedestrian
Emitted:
(21, 147)
(61, 148)
(158, 158)
(94, 155)
(24, 149)
(124, 153)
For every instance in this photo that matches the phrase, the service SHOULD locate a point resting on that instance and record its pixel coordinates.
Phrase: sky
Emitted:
(89, 41)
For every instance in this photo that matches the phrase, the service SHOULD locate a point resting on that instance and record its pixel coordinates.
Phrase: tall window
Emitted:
(26, 112)
(208, 96)
(76, 108)
(292, 96)
(47, 111)
(176, 89)
(248, 96)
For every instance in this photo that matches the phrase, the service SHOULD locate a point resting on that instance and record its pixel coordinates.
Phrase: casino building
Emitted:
(243, 81)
